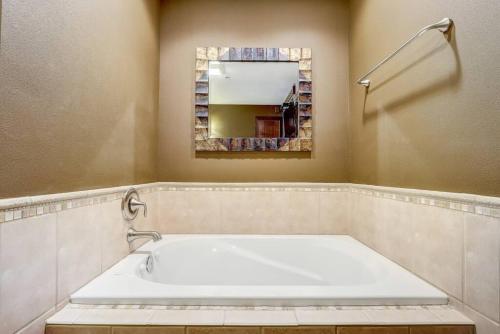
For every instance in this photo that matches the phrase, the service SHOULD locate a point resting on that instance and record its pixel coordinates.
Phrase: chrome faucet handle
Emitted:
(131, 203)
(134, 205)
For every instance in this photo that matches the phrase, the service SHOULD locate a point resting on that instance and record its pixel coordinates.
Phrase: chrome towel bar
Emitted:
(444, 26)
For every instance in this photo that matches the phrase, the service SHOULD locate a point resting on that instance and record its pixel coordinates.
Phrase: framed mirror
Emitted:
(253, 99)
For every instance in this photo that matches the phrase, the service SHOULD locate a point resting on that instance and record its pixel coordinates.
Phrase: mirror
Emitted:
(253, 99)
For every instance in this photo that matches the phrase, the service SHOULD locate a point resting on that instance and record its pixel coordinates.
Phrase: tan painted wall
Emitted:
(432, 117)
(78, 92)
(232, 120)
(321, 25)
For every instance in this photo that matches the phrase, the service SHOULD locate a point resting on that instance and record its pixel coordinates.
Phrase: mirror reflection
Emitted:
(253, 99)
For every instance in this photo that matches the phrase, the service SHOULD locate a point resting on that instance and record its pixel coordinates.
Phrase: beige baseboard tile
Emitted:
(405, 316)
(332, 317)
(259, 318)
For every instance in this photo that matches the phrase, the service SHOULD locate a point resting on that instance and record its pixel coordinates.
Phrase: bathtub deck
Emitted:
(127, 315)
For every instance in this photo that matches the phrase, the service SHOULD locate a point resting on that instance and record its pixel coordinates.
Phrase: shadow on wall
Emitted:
(445, 82)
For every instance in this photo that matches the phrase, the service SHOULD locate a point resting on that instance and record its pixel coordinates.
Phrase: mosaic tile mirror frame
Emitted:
(303, 99)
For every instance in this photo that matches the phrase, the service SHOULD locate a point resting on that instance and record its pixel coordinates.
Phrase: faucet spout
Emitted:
(133, 234)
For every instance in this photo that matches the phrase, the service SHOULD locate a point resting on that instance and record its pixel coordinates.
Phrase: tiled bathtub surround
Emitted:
(451, 240)
(254, 208)
(52, 245)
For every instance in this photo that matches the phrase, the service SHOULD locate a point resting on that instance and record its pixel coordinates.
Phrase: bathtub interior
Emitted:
(262, 261)
(258, 271)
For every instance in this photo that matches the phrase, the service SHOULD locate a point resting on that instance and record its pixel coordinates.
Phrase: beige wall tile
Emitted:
(78, 248)
(438, 246)
(393, 238)
(189, 212)
(114, 245)
(28, 270)
(334, 213)
(303, 212)
(37, 326)
(363, 218)
(482, 264)
(257, 212)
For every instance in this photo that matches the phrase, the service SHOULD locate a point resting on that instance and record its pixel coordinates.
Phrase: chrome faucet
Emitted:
(130, 208)
(133, 234)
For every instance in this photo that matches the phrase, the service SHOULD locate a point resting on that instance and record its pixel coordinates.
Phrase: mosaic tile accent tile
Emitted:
(305, 64)
(305, 110)
(306, 53)
(271, 144)
(218, 144)
(305, 98)
(283, 144)
(223, 53)
(201, 65)
(246, 54)
(201, 53)
(248, 144)
(201, 111)
(306, 145)
(294, 145)
(235, 144)
(202, 145)
(284, 54)
(202, 99)
(259, 54)
(305, 75)
(201, 133)
(212, 53)
(201, 122)
(260, 144)
(305, 122)
(234, 54)
(305, 133)
(272, 54)
(202, 76)
(305, 86)
(295, 54)
(202, 87)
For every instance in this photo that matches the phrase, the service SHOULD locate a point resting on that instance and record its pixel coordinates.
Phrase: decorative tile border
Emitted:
(25, 207)
(302, 56)
(480, 205)
(256, 308)
(149, 315)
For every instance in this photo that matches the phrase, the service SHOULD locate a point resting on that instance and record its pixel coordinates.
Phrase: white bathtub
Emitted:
(258, 270)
